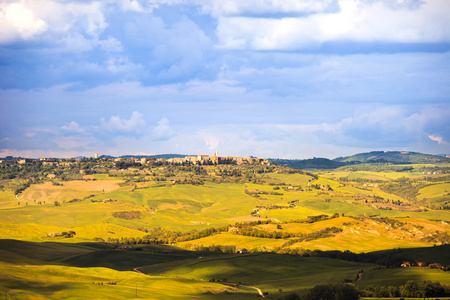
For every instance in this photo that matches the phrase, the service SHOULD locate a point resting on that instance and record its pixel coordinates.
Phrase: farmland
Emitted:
(184, 225)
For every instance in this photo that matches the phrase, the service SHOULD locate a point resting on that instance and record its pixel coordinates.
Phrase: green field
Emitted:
(61, 282)
(268, 272)
(399, 276)
(435, 190)
(292, 179)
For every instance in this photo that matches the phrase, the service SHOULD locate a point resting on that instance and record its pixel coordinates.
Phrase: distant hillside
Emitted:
(312, 163)
(374, 157)
(394, 157)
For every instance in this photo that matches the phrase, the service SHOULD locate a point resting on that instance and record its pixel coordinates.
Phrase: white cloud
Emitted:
(30, 134)
(73, 127)
(258, 7)
(19, 22)
(211, 139)
(435, 138)
(111, 44)
(50, 19)
(357, 20)
(136, 123)
(163, 131)
(131, 5)
(121, 64)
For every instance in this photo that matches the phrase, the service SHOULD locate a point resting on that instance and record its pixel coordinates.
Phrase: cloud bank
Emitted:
(262, 77)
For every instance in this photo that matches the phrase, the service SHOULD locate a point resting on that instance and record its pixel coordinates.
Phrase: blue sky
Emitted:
(290, 79)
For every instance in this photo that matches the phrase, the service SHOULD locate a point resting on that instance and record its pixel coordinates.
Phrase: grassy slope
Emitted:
(40, 271)
(266, 271)
(399, 276)
(36, 275)
(434, 190)
(122, 260)
(439, 254)
(292, 179)
(22, 252)
(60, 282)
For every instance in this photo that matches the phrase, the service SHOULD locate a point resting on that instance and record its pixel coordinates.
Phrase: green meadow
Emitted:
(268, 272)
(435, 190)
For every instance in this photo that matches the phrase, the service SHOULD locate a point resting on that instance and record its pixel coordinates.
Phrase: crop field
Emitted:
(289, 214)
(311, 227)
(228, 239)
(358, 242)
(67, 190)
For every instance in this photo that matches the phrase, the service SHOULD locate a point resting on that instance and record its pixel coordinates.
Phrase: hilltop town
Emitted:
(216, 160)
(200, 159)
(188, 169)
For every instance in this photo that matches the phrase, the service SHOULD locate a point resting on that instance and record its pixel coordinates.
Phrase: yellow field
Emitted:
(8, 199)
(292, 179)
(71, 189)
(241, 242)
(434, 190)
(366, 242)
(306, 228)
(281, 215)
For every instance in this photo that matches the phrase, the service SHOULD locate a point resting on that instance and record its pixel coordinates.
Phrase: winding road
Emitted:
(139, 271)
(258, 289)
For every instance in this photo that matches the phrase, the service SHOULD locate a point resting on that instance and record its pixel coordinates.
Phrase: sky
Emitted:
(266, 78)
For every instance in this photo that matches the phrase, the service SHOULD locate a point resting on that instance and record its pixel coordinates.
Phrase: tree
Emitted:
(292, 296)
(346, 292)
(343, 291)
(321, 292)
(57, 203)
(432, 289)
(409, 289)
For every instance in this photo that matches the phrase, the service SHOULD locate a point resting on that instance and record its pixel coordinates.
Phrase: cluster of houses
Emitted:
(195, 160)
(419, 264)
(216, 160)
